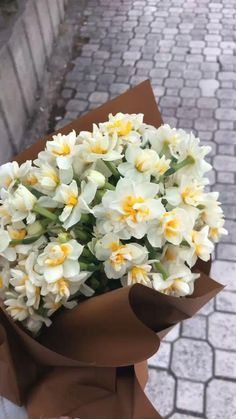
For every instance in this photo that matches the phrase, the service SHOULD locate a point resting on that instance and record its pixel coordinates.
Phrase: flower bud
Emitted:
(34, 229)
(96, 177)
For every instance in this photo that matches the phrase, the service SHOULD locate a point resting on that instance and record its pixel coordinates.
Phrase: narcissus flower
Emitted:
(165, 139)
(12, 172)
(202, 246)
(138, 274)
(96, 145)
(189, 191)
(76, 203)
(20, 204)
(124, 126)
(118, 257)
(179, 283)
(189, 147)
(139, 164)
(60, 260)
(173, 227)
(63, 148)
(6, 251)
(128, 209)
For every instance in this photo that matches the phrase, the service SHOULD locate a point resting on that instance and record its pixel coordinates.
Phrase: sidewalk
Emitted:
(188, 50)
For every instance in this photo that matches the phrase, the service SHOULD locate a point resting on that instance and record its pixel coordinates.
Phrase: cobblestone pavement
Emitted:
(187, 48)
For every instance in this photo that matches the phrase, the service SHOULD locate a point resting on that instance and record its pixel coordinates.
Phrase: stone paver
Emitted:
(192, 359)
(187, 49)
(221, 400)
(190, 396)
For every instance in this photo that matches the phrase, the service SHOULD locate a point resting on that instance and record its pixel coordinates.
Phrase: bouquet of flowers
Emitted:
(123, 203)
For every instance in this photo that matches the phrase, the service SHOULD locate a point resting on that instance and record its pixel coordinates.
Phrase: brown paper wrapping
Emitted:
(91, 363)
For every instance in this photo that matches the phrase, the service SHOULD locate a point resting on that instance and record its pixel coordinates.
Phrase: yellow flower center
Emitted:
(198, 247)
(98, 149)
(62, 286)
(162, 167)
(214, 232)
(140, 165)
(23, 280)
(136, 272)
(171, 227)
(32, 180)
(118, 259)
(63, 151)
(65, 251)
(121, 127)
(188, 193)
(17, 234)
(114, 246)
(130, 211)
(1, 281)
(7, 181)
(170, 255)
(72, 199)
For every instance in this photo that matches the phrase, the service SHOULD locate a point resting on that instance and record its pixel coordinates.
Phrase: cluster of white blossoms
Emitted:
(123, 204)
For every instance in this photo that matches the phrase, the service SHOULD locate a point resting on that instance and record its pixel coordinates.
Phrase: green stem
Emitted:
(188, 160)
(108, 185)
(164, 149)
(27, 240)
(45, 213)
(112, 168)
(160, 268)
(99, 195)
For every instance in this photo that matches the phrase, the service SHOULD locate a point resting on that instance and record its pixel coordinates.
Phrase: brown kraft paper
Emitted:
(91, 362)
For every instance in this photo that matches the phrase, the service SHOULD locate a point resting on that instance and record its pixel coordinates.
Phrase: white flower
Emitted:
(20, 204)
(202, 246)
(140, 163)
(16, 306)
(161, 166)
(179, 284)
(5, 250)
(63, 287)
(52, 306)
(189, 147)
(127, 210)
(35, 322)
(124, 126)
(48, 177)
(173, 226)
(75, 204)
(96, 145)
(165, 139)
(62, 149)
(118, 257)
(96, 177)
(11, 172)
(172, 255)
(25, 280)
(60, 260)
(212, 215)
(189, 192)
(138, 274)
